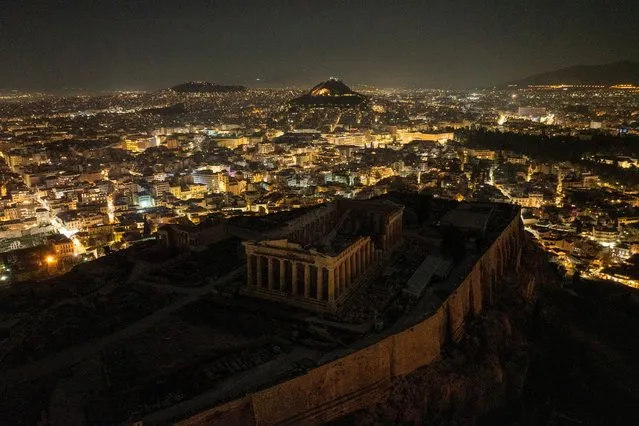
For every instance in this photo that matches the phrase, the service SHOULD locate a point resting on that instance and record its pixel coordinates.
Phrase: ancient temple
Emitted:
(321, 258)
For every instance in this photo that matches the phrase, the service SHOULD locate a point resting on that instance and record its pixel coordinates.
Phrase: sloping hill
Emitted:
(330, 93)
(625, 72)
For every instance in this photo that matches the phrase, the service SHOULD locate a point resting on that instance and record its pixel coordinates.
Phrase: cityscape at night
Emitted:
(297, 214)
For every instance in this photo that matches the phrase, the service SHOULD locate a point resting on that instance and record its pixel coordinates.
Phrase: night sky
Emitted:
(136, 44)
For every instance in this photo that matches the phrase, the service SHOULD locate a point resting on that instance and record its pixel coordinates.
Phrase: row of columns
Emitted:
(393, 233)
(312, 230)
(263, 272)
(352, 267)
(323, 283)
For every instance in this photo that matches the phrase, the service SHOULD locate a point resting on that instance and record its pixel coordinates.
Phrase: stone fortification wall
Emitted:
(360, 378)
(419, 345)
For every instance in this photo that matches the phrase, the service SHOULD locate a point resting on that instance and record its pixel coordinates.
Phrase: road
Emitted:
(59, 226)
(71, 356)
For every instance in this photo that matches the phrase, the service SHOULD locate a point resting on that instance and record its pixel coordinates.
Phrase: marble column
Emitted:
(271, 280)
(250, 274)
(347, 273)
(355, 269)
(394, 232)
(342, 276)
(294, 278)
(320, 283)
(351, 269)
(391, 235)
(367, 254)
(363, 257)
(331, 285)
(258, 264)
(282, 275)
(335, 279)
(307, 280)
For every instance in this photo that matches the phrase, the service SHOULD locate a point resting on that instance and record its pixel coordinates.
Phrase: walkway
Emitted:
(71, 356)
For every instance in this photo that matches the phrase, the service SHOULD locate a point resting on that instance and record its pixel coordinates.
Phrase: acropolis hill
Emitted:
(345, 298)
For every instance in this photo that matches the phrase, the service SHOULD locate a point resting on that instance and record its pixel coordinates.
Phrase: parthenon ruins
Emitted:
(319, 259)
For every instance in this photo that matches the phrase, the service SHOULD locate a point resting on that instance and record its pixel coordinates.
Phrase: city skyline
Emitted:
(100, 46)
(319, 212)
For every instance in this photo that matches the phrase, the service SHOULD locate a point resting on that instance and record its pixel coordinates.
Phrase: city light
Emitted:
(201, 224)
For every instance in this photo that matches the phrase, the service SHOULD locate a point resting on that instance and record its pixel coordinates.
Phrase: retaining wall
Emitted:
(360, 379)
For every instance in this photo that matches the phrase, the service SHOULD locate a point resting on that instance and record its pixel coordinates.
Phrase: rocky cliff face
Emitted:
(525, 363)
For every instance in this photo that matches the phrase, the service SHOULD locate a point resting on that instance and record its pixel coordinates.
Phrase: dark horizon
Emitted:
(255, 85)
(107, 46)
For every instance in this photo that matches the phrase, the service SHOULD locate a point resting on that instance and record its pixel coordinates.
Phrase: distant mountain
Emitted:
(331, 87)
(625, 72)
(205, 87)
(330, 93)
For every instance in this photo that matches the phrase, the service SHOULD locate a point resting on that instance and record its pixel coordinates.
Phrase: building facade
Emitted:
(325, 255)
